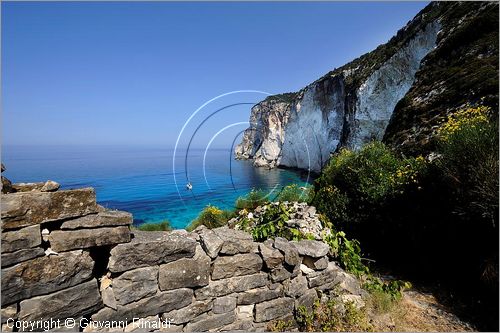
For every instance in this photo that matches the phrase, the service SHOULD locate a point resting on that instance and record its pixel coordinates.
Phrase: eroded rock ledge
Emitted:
(64, 256)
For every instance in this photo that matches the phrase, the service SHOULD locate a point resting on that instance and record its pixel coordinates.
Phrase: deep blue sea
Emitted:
(141, 179)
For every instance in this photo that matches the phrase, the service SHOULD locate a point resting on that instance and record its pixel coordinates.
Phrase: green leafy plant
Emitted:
(252, 200)
(393, 288)
(280, 326)
(347, 251)
(161, 226)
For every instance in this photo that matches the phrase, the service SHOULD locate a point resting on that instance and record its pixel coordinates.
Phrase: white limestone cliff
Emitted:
(346, 108)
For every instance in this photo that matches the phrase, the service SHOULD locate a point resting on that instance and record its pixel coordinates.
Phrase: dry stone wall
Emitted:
(65, 257)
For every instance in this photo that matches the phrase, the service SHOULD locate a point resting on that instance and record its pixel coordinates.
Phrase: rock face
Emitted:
(80, 260)
(372, 97)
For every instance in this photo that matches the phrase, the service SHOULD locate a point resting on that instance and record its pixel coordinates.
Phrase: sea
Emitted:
(148, 181)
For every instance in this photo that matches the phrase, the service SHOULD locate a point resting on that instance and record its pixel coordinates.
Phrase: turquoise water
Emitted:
(141, 179)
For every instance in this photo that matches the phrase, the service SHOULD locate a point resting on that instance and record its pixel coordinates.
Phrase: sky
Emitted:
(131, 73)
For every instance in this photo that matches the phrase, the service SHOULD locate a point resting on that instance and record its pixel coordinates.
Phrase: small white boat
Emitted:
(189, 187)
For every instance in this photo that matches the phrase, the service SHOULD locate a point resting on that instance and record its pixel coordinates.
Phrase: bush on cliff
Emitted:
(295, 193)
(211, 217)
(468, 142)
(355, 184)
(252, 200)
(435, 219)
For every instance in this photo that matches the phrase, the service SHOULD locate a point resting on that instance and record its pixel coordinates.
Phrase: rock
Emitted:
(186, 272)
(148, 324)
(306, 270)
(348, 283)
(324, 277)
(245, 311)
(231, 285)
(185, 233)
(8, 312)
(188, 313)
(108, 298)
(160, 303)
(6, 185)
(64, 240)
(133, 285)
(50, 186)
(312, 248)
(68, 303)
(356, 300)
(150, 248)
(234, 241)
(44, 275)
(210, 242)
(307, 299)
(209, 322)
(27, 187)
(45, 234)
(272, 257)
(297, 286)
(238, 326)
(29, 208)
(224, 304)
(7, 328)
(291, 254)
(296, 269)
(169, 327)
(105, 281)
(9, 259)
(314, 263)
(49, 252)
(23, 238)
(280, 274)
(3, 168)
(107, 218)
(259, 295)
(239, 264)
(273, 309)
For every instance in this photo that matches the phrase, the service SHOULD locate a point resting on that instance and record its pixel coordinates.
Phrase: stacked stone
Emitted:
(64, 256)
(217, 280)
(48, 239)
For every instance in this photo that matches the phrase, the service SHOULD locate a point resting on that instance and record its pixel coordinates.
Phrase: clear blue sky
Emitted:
(132, 73)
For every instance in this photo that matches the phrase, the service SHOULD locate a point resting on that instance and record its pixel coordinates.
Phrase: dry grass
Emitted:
(415, 312)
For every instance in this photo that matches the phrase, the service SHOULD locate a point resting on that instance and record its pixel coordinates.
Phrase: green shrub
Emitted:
(252, 200)
(272, 224)
(373, 173)
(162, 226)
(331, 202)
(468, 142)
(211, 217)
(295, 193)
(347, 251)
(393, 288)
(353, 184)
